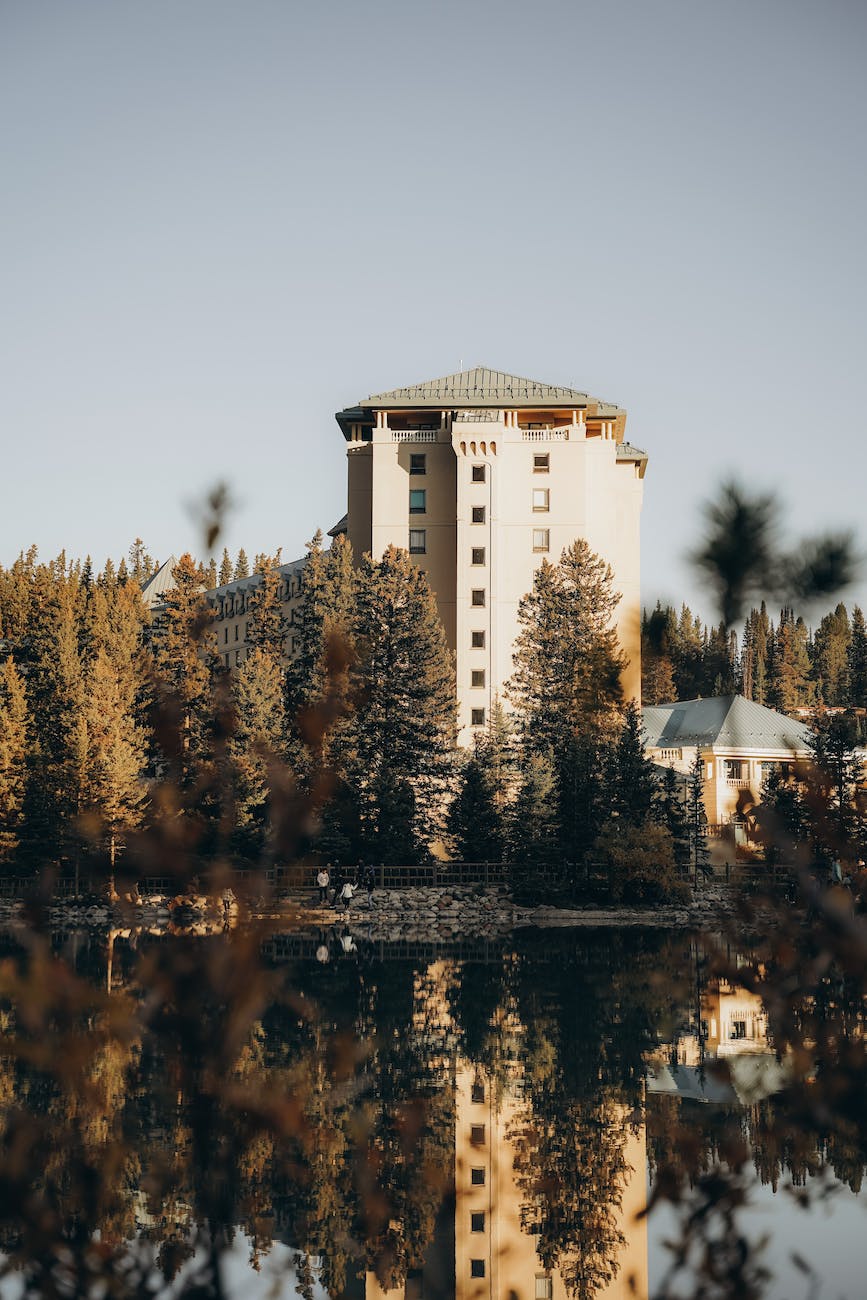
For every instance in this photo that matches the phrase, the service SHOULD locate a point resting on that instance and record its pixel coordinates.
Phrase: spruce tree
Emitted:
(141, 565)
(257, 741)
(266, 629)
(474, 821)
(14, 745)
(401, 740)
(857, 661)
(831, 656)
(533, 829)
(226, 569)
(633, 783)
(697, 817)
(567, 662)
(114, 791)
(183, 649)
(242, 565)
(671, 812)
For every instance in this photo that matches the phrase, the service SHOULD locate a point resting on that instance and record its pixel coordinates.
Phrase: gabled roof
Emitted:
(479, 387)
(159, 583)
(725, 721)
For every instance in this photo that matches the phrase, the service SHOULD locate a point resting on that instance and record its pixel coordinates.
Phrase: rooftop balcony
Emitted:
(426, 434)
(548, 434)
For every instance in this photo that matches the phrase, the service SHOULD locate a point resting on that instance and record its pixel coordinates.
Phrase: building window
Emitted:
(477, 640)
(478, 555)
(477, 1177)
(479, 473)
(477, 1268)
(541, 462)
(544, 1287)
(477, 719)
(225, 635)
(477, 1221)
(418, 463)
(477, 597)
(477, 678)
(541, 539)
(237, 657)
(237, 625)
(477, 1092)
(417, 541)
(734, 769)
(738, 1029)
(478, 514)
(541, 499)
(417, 501)
(227, 661)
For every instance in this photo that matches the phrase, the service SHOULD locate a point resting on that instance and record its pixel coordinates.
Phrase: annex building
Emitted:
(480, 475)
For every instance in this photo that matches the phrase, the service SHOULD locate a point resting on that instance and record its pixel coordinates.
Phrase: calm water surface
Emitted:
(478, 1121)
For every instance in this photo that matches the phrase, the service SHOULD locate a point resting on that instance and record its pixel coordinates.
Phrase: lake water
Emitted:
(403, 1120)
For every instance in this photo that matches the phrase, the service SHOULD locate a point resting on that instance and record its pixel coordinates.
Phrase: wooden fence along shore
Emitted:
(590, 882)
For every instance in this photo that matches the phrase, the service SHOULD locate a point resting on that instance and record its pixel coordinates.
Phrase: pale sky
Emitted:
(222, 222)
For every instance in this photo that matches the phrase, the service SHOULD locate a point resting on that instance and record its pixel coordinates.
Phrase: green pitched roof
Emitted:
(479, 387)
(727, 721)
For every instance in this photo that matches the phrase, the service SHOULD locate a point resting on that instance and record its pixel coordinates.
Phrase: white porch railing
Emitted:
(545, 435)
(414, 435)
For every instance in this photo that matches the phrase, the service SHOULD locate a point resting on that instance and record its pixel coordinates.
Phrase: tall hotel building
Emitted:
(482, 475)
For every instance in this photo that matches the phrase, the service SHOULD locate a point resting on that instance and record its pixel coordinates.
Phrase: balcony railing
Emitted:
(545, 435)
(414, 435)
(738, 782)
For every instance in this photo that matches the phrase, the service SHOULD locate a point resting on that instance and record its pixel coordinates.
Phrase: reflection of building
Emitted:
(731, 1026)
(481, 476)
(481, 1250)
(737, 741)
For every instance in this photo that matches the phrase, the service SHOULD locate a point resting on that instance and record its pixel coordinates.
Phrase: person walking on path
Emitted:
(323, 880)
(346, 892)
(369, 884)
(337, 881)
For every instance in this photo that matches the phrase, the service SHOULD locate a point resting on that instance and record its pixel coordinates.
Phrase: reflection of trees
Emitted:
(589, 1017)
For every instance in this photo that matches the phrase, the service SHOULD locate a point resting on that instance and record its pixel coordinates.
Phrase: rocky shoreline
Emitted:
(431, 913)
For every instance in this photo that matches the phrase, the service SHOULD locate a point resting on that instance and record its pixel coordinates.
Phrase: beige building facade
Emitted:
(482, 475)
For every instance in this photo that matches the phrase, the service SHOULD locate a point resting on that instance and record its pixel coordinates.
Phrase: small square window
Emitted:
(478, 514)
(418, 541)
(417, 501)
(541, 499)
(477, 1268)
(477, 1177)
(477, 640)
(477, 678)
(477, 1221)
(541, 462)
(418, 462)
(541, 539)
(544, 1287)
(477, 719)
(478, 555)
(479, 473)
(477, 1092)
(477, 597)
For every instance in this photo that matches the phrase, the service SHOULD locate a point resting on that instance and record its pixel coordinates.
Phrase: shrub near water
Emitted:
(640, 862)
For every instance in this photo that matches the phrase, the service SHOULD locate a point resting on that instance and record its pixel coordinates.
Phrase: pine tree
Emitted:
(401, 741)
(14, 745)
(697, 817)
(226, 569)
(857, 661)
(266, 629)
(533, 829)
(790, 665)
(211, 574)
(183, 646)
(831, 656)
(114, 756)
(242, 565)
(141, 565)
(257, 741)
(474, 821)
(632, 782)
(836, 776)
(671, 813)
(567, 662)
